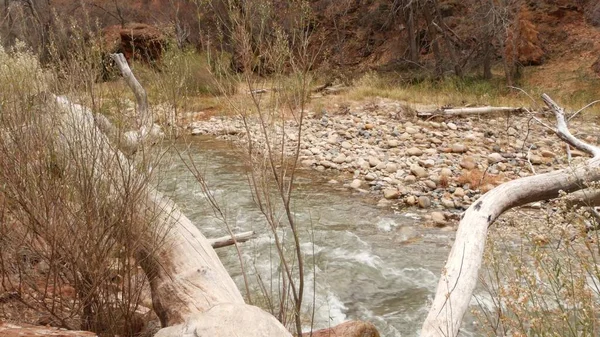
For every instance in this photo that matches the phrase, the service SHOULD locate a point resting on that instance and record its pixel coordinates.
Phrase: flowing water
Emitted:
(371, 263)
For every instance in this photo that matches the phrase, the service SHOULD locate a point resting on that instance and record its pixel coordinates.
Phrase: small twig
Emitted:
(529, 160)
(580, 110)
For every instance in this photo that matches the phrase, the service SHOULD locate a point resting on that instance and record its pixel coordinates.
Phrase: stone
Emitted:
(430, 184)
(391, 193)
(340, 158)
(438, 217)
(427, 163)
(369, 126)
(459, 148)
(446, 172)
(308, 162)
(374, 161)
(411, 130)
(418, 171)
(512, 131)
(414, 151)
(536, 160)
(370, 176)
(424, 202)
(410, 179)
(459, 192)
(448, 203)
(391, 167)
(346, 145)
(355, 183)
(467, 164)
(405, 136)
(411, 200)
(548, 154)
(393, 143)
(405, 233)
(495, 158)
(452, 126)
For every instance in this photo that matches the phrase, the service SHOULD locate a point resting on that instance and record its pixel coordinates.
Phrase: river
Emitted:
(371, 263)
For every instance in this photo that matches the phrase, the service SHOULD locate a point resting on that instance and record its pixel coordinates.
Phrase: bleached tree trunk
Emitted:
(192, 293)
(460, 274)
(470, 111)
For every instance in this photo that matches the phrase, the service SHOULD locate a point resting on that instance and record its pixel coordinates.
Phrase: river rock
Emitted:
(411, 200)
(459, 192)
(548, 154)
(458, 148)
(536, 160)
(393, 143)
(374, 161)
(414, 151)
(346, 145)
(391, 193)
(446, 172)
(468, 163)
(430, 184)
(448, 203)
(410, 179)
(418, 171)
(495, 157)
(355, 183)
(427, 163)
(340, 158)
(411, 130)
(391, 167)
(452, 126)
(438, 218)
(424, 202)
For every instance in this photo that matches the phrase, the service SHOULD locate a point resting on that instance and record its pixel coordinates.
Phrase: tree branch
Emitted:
(460, 274)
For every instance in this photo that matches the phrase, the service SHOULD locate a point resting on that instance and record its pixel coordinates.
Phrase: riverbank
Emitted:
(443, 164)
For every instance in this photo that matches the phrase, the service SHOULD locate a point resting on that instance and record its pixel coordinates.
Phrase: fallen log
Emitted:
(453, 112)
(460, 274)
(228, 240)
(191, 290)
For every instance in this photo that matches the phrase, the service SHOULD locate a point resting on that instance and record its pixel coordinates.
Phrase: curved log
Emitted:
(187, 279)
(460, 274)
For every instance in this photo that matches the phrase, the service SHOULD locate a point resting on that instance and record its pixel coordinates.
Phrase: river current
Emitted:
(371, 263)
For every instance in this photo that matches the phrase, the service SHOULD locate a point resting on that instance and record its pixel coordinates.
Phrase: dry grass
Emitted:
(476, 179)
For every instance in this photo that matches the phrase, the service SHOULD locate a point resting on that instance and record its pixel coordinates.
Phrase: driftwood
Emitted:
(453, 112)
(459, 276)
(227, 240)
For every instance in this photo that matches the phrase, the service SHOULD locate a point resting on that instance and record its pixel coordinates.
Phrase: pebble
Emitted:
(424, 202)
(414, 151)
(495, 157)
(391, 193)
(355, 183)
(418, 171)
(459, 148)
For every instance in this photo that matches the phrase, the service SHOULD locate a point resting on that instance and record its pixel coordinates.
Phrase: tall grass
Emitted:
(545, 279)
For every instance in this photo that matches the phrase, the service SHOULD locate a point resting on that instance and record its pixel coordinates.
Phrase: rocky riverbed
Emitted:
(442, 164)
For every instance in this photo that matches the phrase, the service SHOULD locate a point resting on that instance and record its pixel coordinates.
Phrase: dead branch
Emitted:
(228, 240)
(460, 274)
(453, 112)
